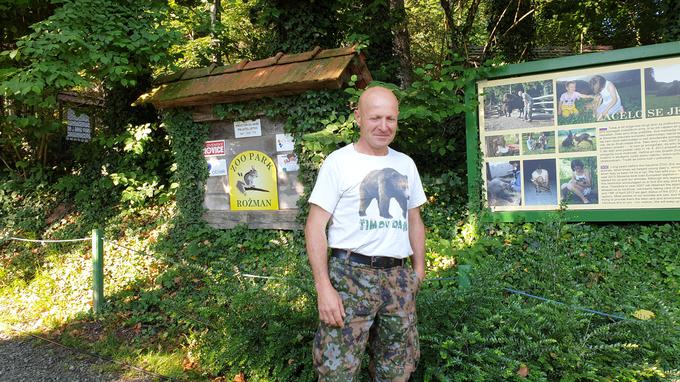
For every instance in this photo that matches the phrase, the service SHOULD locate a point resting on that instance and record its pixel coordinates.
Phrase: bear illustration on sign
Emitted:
(383, 185)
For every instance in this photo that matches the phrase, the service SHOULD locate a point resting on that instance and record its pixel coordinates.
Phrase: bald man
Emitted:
(366, 290)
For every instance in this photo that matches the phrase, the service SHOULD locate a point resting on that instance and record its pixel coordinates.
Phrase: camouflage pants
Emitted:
(380, 311)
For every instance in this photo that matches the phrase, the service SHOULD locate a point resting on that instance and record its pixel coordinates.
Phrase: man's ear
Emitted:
(357, 116)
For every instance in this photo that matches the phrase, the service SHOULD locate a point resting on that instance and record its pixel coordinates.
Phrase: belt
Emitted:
(373, 261)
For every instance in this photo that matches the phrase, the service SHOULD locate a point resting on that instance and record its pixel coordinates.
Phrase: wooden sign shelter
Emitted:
(250, 197)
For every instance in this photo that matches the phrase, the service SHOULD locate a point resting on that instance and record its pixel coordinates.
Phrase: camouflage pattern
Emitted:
(385, 297)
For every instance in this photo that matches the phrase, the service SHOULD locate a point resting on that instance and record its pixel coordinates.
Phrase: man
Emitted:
(366, 290)
(528, 104)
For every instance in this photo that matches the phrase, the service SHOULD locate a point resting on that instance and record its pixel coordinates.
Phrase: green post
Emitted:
(464, 276)
(97, 270)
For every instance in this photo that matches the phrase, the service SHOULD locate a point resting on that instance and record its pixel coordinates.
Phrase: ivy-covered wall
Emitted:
(191, 170)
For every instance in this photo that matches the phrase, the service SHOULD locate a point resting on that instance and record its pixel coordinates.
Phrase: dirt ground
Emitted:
(26, 358)
(496, 122)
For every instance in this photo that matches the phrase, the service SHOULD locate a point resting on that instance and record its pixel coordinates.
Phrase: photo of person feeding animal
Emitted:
(600, 97)
(577, 140)
(520, 105)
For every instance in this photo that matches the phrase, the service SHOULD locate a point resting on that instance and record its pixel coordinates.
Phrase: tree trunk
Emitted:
(215, 24)
(460, 32)
(402, 42)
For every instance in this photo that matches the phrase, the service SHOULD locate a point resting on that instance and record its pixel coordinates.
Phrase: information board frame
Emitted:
(584, 61)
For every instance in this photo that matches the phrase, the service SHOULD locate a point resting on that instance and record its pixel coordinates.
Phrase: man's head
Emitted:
(377, 115)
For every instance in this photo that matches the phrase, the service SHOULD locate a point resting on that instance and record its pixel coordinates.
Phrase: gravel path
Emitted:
(24, 358)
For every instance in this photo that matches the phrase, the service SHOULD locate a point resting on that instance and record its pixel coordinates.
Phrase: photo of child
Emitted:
(503, 183)
(662, 91)
(600, 97)
(519, 105)
(502, 145)
(540, 182)
(538, 143)
(578, 180)
(567, 103)
(577, 140)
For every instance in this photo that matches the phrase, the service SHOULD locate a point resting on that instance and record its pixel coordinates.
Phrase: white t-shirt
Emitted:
(368, 198)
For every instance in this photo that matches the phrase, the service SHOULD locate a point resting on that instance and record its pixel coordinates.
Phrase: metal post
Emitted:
(464, 276)
(97, 270)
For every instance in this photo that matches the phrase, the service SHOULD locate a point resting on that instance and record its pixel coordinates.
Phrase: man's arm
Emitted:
(416, 235)
(329, 302)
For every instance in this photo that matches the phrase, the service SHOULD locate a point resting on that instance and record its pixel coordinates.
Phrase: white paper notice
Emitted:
(244, 129)
(287, 162)
(217, 167)
(284, 142)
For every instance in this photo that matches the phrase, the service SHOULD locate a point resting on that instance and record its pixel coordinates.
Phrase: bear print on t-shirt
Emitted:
(384, 185)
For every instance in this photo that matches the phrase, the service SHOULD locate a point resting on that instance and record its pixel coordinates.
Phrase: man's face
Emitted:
(377, 117)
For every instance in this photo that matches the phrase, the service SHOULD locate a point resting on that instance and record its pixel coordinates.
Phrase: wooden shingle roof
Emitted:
(283, 74)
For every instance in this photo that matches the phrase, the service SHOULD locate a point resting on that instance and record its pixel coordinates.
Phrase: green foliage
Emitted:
(497, 333)
(335, 23)
(111, 45)
(431, 119)
(238, 38)
(614, 23)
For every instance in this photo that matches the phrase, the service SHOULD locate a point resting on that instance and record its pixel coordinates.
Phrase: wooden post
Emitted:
(97, 270)
(464, 276)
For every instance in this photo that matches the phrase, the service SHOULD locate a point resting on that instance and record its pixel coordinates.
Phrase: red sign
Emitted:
(212, 148)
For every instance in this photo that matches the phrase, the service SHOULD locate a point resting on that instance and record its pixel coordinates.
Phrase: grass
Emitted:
(52, 293)
(666, 103)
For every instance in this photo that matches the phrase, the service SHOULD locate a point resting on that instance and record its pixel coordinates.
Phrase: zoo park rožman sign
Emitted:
(597, 133)
(253, 182)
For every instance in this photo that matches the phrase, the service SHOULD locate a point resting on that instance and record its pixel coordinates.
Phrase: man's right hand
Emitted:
(331, 311)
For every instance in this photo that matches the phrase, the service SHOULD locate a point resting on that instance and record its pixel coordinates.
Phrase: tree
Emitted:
(112, 47)
(402, 42)
(607, 22)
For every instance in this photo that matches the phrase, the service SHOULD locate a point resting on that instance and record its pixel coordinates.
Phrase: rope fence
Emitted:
(43, 241)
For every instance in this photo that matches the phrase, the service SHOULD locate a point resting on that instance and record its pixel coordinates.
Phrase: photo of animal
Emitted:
(577, 140)
(539, 177)
(503, 183)
(518, 105)
(510, 103)
(538, 143)
(540, 182)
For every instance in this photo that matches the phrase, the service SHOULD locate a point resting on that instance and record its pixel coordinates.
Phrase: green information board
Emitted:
(595, 135)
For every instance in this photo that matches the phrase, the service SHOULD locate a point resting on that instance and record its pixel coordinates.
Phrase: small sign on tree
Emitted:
(78, 127)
